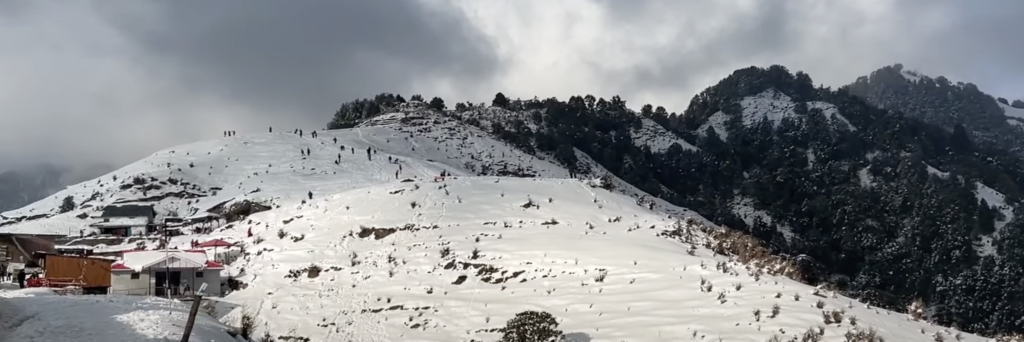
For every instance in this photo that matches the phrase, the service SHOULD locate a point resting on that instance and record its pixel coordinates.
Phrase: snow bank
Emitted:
(39, 315)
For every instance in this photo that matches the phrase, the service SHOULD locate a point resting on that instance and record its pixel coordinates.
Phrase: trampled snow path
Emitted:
(39, 315)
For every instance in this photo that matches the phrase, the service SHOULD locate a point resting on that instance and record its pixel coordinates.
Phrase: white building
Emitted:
(165, 272)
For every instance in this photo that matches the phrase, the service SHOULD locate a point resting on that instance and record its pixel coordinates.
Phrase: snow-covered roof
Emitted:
(139, 260)
(75, 247)
(119, 222)
(103, 249)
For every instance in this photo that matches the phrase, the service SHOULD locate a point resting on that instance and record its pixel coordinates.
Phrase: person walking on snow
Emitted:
(21, 278)
(335, 140)
(310, 194)
(271, 129)
(368, 154)
(308, 152)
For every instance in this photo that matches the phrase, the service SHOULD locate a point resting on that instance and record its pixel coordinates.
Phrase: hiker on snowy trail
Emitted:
(308, 152)
(311, 195)
(271, 129)
(336, 140)
(302, 152)
(368, 154)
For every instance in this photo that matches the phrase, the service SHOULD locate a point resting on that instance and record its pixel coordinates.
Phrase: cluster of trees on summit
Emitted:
(906, 234)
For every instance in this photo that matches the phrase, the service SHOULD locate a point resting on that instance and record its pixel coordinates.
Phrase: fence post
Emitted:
(197, 299)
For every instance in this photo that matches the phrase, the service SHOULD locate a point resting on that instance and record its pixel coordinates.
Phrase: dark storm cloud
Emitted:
(306, 57)
(116, 81)
(833, 41)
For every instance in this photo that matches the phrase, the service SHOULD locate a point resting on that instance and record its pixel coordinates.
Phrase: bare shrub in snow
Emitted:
(530, 204)
(863, 335)
(775, 311)
(601, 274)
(916, 309)
(834, 316)
(281, 233)
(748, 250)
(354, 258)
(812, 335)
(531, 326)
(1012, 337)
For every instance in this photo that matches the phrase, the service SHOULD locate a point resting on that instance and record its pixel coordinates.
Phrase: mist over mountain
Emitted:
(23, 185)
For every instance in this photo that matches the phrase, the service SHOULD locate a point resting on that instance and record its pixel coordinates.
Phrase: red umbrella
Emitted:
(215, 243)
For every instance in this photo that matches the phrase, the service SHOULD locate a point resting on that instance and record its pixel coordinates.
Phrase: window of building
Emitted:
(199, 274)
(135, 275)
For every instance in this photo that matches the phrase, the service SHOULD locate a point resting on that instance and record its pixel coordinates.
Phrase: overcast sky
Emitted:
(114, 81)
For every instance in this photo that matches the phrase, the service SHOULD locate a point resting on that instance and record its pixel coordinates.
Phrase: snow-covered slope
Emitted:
(38, 315)
(773, 106)
(1014, 116)
(272, 168)
(452, 261)
(415, 258)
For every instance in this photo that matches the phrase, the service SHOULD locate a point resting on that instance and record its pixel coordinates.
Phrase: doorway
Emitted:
(166, 281)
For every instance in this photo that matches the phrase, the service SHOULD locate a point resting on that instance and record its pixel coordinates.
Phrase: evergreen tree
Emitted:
(437, 103)
(500, 101)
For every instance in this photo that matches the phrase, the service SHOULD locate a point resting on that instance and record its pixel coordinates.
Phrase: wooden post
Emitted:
(197, 299)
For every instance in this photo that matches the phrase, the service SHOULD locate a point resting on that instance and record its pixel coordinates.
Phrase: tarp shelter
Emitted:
(215, 243)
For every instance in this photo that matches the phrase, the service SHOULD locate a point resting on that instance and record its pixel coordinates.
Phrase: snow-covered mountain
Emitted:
(364, 241)
(945, 103)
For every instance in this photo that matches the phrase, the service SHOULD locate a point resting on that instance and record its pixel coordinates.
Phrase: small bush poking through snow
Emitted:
(601, 274)
(1010, 338)
(863, 335)
(531, 326)
(916, 310)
